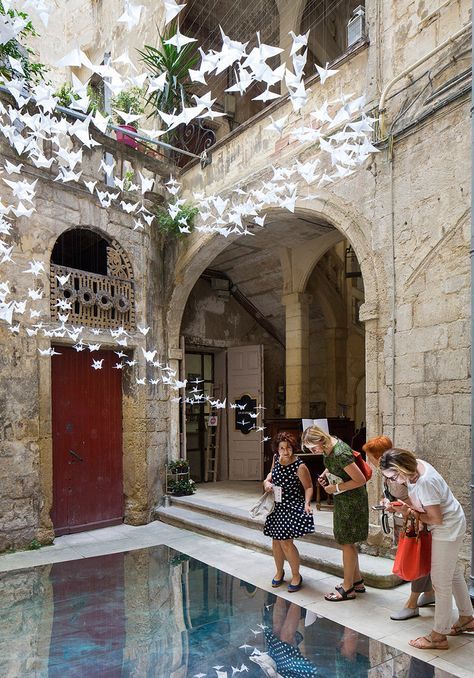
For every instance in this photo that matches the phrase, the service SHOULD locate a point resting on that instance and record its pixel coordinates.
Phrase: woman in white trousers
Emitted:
(435, 505)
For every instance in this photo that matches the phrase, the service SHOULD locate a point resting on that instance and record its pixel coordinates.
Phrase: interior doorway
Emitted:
(200, 377)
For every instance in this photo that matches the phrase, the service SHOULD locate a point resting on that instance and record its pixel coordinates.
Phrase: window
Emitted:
(91, 281)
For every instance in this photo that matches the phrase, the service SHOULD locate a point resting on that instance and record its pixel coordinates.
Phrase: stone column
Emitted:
(336, 339)
(297, 354)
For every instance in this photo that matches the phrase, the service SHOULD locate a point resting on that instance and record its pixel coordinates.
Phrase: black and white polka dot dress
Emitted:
(288, 519)
(289, 661)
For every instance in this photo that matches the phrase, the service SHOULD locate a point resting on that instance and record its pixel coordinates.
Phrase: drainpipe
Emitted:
(471, 588)
(407, 71)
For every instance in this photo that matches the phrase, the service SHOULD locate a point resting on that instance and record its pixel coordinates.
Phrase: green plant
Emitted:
(34, 70)
(34, 545)
(176, 64)
(182, 487)
(66, 95)
(178, 466)
(128, 180)
(184, 219)
(179, 559)
(128, 101)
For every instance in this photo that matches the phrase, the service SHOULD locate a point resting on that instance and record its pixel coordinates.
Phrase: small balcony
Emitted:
(95, 300)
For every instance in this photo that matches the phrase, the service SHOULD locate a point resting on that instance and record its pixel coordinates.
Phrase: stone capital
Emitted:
(368, 311)
(296, 299)
(175, 354)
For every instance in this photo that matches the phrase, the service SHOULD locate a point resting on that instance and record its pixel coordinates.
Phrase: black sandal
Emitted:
(345, 595)
(359, 586)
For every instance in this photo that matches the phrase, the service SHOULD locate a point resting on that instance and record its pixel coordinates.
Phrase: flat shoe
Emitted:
(405, 613)
(359, 586)
(293, 588)
(425, 599)
(456, 630)
(343, 595)
(427, 643)
(278, 582)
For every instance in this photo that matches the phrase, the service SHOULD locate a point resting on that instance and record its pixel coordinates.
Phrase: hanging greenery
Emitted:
(33, 70)
(66, 95)
(179, 225)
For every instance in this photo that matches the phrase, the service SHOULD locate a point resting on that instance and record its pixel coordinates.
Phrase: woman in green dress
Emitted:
(346, 482)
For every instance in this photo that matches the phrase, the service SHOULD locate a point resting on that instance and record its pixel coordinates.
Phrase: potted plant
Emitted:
(176, 91)
(181, 488)
(178, 482)
(127, 101)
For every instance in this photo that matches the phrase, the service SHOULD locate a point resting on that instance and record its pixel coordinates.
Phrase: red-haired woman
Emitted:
(292, 516)
(422, 593)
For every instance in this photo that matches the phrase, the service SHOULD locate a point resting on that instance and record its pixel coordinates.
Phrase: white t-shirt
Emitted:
(430, 489)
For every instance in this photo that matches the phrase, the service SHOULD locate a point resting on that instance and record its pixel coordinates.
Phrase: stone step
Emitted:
(323, 534)
(377, 571)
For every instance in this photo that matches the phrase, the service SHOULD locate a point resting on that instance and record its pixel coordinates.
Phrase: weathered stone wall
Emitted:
(25, 376)
(406, 213)
(212, 321)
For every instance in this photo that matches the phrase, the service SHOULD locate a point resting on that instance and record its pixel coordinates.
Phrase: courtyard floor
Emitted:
(369, 614)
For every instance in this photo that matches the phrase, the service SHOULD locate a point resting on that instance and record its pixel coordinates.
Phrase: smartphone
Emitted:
(379, 507)
(396, 503)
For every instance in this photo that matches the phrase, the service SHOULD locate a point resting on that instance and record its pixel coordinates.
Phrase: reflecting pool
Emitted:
(157, 612)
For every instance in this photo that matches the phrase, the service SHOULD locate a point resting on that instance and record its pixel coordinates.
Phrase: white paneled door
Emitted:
(245, 384)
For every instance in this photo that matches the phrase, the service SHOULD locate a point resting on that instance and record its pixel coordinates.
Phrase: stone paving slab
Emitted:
(377, 571)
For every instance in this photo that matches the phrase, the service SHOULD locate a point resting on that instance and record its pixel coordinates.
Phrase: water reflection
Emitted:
(156, 612)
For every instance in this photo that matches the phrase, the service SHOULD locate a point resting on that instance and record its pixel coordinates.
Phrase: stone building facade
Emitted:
(405, 214)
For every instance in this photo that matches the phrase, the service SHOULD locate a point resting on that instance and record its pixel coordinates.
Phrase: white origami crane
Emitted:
(179, 40)
(149, 355)
(157, 84)
(35, 294)
(48, 351)
(36, 267)
(11, 168)
(172, 9)
(325, 73)
(299, 41)
(131, 16)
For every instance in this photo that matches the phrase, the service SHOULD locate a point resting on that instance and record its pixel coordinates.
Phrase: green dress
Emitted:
(351, 508)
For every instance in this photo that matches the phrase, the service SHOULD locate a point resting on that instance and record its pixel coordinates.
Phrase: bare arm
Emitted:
(305, 479)
(357, 479)
(430, 516)
(267, 483)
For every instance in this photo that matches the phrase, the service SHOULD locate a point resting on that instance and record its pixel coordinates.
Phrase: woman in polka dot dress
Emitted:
(292, 516)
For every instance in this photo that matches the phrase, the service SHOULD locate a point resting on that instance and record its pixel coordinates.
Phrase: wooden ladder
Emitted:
(213, 440)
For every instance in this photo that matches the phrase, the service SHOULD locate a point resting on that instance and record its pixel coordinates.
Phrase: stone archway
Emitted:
(344, 223)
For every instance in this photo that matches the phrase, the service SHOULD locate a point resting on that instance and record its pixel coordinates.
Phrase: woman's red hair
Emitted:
(377, 446)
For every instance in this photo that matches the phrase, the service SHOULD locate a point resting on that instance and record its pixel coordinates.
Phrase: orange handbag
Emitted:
(413, 559)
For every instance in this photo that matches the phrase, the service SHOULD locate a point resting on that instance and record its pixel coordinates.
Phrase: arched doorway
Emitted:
(91, 286)
(242, 299)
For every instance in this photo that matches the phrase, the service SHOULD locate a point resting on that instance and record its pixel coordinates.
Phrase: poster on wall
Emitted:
(245, 414)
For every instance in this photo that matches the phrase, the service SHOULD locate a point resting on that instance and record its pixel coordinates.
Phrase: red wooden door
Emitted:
(87, 441)
(88, 636)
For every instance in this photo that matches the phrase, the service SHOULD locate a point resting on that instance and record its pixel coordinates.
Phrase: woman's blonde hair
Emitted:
(313, 435)
(402, 460)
